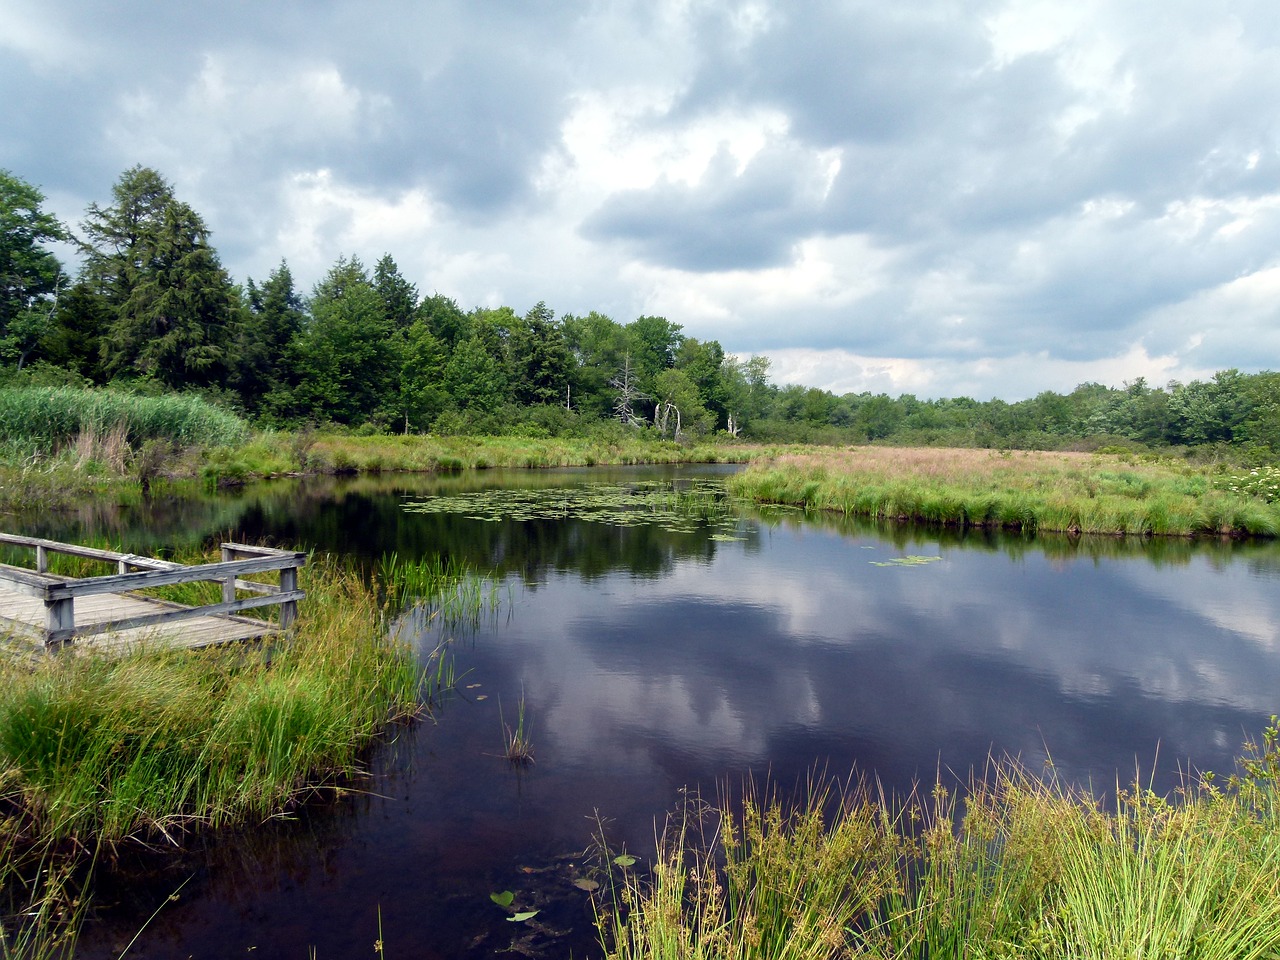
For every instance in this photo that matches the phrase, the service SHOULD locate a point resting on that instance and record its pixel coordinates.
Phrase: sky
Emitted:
(986, 198)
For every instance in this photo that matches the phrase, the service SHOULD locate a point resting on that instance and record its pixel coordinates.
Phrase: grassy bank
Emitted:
(95, 753)
(1020, 867)
(271, 454)
(1067, 492)
(96, 466)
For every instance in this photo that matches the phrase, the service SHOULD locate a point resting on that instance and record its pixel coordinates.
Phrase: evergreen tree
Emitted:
(474, 378)
(345, 358)
(399, 296)
(423, 396)
(444, 319)
(273, 318)
(540, 359)
(75, 341)
(172, 304)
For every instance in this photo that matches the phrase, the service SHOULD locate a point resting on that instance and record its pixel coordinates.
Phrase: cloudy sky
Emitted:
(944, 197)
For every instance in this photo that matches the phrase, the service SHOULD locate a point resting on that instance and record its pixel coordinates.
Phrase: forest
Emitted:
(151, 309)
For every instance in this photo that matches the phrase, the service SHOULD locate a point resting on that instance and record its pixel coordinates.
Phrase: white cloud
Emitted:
(1000, 198)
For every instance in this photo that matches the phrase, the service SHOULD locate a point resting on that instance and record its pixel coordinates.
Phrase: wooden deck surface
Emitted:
(22, 621)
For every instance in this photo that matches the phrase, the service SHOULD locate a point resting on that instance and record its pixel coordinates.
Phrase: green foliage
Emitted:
(30, 276)
(1072, 493)
(153, 304)
(262, 375)
(345, 358)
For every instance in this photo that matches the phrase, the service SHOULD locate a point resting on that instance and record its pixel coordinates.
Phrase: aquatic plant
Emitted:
(677, 507)
(153, 744)
(517, 747)
(451, 593)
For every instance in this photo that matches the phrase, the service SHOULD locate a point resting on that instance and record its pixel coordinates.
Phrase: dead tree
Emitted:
(629, 395)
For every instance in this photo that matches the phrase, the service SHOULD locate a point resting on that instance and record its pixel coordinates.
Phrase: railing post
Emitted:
(42, 558)
(289, 608)
(59, 619)
(229, 584)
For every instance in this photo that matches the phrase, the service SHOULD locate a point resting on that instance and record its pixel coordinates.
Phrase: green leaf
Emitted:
(522, 917)
(503, 899)
(626, 860)
(587, 885)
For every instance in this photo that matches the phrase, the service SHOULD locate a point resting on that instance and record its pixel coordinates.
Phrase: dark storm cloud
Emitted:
(729, 220)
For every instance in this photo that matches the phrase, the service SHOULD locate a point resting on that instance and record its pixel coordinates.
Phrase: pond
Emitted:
(656, 654)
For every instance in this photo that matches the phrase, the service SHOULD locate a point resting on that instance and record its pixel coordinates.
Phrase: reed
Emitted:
(455, 595)
(1065, 492)
(58, 416)
(517, 747)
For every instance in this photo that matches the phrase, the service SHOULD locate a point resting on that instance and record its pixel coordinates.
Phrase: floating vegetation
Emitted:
(909, 561)
(677, 507)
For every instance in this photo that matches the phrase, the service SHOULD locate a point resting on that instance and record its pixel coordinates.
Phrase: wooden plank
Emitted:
(171, 614)
(47, 612)
(147, 579)
(27, 581)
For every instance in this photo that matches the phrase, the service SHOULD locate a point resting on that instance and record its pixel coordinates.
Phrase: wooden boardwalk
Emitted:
(42, 612)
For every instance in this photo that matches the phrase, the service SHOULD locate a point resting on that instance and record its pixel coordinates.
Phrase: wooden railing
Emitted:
(143, 573)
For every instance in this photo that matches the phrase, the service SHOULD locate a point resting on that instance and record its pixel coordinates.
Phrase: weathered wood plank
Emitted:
(146, 579)
(173, 613)
(105, 613)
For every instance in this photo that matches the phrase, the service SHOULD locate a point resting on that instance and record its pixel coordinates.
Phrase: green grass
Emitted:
(1020, 866)
(1062, 492)
(96, 754)
(150, 745)
(57, 416)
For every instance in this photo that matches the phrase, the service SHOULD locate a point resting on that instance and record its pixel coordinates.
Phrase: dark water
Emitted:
(650, 661)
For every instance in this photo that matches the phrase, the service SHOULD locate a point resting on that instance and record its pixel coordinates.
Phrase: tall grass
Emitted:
(454, 594)
(1019, 867)
(1065, 492)
(154, 744)
(57, 416)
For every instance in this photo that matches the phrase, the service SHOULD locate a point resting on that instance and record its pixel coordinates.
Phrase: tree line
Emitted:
(152, 308)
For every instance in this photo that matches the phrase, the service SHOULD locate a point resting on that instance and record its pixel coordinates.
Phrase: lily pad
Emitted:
(625, 860)
(503, 899)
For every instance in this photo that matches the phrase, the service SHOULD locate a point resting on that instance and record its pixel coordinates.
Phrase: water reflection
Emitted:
(651, 659)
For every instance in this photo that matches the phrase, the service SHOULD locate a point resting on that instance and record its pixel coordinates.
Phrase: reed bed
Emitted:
(1027, 490)
(58, 416)
(1020, 866)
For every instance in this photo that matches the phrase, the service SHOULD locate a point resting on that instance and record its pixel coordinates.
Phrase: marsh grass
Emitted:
(517, 745)
(1065, 492)
(1015, 866)
(94, 420)
(152, 745)
(452, 594)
